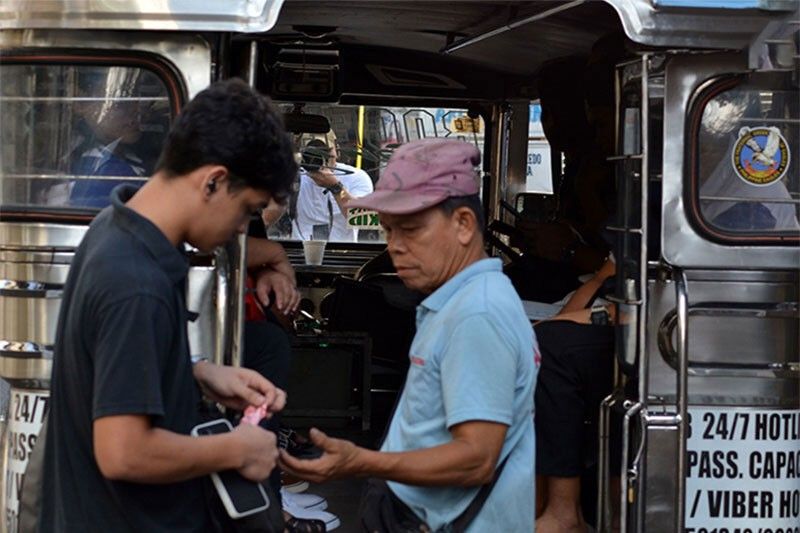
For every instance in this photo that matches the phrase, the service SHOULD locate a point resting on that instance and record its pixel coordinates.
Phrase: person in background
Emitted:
(326, 187)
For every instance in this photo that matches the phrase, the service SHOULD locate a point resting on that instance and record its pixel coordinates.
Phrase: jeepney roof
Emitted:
(483, 32)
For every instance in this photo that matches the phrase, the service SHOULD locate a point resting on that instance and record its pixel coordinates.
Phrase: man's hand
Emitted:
(258, 450)
(323, 177)
(287, 297)
(339, 459)
(238, 387)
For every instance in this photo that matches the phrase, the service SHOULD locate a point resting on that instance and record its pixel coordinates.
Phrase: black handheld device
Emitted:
(240, 496)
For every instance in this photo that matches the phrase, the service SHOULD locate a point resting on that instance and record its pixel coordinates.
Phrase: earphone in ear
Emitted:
(212, 186)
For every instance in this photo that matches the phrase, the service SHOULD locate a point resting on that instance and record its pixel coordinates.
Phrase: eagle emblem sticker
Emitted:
(760, 155)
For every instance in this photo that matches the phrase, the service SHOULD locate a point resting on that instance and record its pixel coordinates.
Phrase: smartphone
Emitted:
(240, 496)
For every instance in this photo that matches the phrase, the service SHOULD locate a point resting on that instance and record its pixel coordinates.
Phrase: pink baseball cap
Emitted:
(423, 173)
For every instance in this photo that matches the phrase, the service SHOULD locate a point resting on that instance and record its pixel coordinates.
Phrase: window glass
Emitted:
(361, 140)
(71, 133)
(747, 149)
(539, 175)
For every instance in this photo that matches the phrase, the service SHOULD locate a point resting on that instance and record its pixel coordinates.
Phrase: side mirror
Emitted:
(306, 123)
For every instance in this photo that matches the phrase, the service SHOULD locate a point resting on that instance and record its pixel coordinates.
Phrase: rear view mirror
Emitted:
(306, 123)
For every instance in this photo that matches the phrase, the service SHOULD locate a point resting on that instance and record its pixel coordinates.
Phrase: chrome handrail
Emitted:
(682, 306)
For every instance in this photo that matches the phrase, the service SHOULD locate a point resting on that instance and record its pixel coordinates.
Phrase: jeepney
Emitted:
(707, 116)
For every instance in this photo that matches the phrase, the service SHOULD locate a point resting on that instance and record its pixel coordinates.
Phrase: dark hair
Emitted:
(599, 76)
(230, 124)
(472, 201)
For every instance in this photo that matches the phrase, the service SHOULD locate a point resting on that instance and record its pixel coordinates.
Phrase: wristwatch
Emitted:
(599, 315)
(335, 189)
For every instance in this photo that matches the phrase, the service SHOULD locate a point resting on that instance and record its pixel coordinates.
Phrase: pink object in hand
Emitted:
(253, 415)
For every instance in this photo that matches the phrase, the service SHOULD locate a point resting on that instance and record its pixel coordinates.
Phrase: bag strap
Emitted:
(464, 519)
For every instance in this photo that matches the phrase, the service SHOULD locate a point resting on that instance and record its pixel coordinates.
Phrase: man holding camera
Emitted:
(326, 186)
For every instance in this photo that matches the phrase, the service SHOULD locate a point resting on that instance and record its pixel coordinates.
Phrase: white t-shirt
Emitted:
(315, 207)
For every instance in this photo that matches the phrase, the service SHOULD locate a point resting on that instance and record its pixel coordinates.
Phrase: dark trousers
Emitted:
(267, 350)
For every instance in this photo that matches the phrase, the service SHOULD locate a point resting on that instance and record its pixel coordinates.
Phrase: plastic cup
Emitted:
(314, 251)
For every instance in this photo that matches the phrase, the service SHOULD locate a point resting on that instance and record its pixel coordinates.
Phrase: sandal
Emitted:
(302, 525)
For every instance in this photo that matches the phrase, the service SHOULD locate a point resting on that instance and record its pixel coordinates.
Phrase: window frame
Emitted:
(704, 227)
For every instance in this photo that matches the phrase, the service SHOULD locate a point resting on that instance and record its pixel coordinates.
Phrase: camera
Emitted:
(314, 155)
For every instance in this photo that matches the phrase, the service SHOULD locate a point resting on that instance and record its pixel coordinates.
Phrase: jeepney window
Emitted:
(361, 140)
(538, 174)
(72, 132)
(746, 176)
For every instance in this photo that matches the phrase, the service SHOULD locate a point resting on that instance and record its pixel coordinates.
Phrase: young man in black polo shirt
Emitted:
(118, 455)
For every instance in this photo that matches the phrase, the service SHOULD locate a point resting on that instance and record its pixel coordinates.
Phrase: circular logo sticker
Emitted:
(761, 155)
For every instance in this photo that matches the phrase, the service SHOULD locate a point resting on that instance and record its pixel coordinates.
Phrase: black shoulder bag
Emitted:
(383, 512)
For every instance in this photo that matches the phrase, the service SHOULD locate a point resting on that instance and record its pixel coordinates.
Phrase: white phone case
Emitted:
(222, 490)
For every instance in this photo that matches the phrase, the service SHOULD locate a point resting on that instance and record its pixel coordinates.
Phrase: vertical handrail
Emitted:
(237, 252)
(682, 307)
(632, 409)
(645, 177)
(603, 524)
(221, 272)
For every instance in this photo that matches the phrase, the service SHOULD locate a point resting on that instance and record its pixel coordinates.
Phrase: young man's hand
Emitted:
(287, 297)
(258, 449)
(339, 459)
(238, 387)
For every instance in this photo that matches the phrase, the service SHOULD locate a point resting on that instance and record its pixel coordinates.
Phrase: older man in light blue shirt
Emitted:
(467, 404)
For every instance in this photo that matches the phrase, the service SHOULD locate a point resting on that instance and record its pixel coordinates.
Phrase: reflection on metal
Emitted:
(27, 289)
(507, 27)
(24, 350)
(189, 54)
(727, 310)
(16, 236)
(26, 319)
(182, 15)
(72, 177)
(237, 252)
(221, 335)
(200, 299)
(26, 362)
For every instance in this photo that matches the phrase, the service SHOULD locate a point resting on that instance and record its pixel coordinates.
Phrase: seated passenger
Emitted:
(576, 373)
(326, 186)
(109, 128)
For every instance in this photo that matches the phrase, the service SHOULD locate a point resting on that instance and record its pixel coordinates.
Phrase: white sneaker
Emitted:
(312, 502)
(331, 520)
(297, 487)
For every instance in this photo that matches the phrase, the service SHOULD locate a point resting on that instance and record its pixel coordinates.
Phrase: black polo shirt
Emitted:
(121, 348)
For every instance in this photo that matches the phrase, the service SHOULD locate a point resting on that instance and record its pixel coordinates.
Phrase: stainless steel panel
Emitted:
(757, 341)
(195, 15)
(28, 319)
(681, 245)
(16, 236)
(189, 54)
(32, 372)
(42, 272)
(692, 28)
(656, 502)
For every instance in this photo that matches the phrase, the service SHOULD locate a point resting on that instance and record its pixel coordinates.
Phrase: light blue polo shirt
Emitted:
(472, 359)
